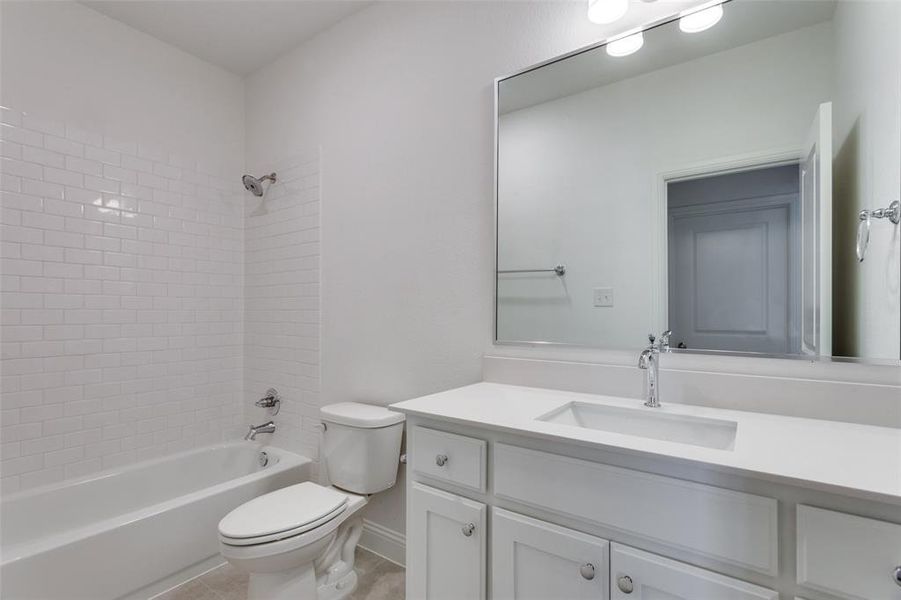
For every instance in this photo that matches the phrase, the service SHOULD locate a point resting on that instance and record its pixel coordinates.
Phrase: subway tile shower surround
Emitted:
(122, 301)
(281, 306)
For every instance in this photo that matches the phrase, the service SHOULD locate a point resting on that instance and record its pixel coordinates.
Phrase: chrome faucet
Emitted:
(271, 401)
(255, 429)
(649, 360)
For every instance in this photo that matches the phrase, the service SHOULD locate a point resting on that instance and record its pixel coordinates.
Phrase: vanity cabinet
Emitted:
(446, 541)
(535, 559)
(596, 525)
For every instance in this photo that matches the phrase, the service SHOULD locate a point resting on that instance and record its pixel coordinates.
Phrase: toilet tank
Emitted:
(361, 446)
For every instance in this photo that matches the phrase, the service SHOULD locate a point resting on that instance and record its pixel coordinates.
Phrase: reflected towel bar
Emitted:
(560, 270)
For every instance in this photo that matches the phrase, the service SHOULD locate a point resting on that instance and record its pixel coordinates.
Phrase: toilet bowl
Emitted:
(298, 542)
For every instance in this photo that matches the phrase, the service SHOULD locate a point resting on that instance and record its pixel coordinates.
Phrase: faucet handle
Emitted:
(643, 358)
(271, 401)
(664, 339)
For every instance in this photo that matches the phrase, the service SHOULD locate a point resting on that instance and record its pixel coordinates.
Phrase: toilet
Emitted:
(298, 542)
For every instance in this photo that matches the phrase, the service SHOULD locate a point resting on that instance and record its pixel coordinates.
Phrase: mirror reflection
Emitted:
(732, 177)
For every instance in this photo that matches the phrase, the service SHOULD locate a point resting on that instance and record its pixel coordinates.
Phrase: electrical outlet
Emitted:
(603, 296)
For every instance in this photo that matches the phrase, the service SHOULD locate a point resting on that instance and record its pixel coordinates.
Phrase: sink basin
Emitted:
(646, 423)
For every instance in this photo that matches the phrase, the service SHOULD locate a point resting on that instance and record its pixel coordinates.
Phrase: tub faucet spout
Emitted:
(255, 429)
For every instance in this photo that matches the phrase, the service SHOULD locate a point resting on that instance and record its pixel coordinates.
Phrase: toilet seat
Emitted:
(284, 513)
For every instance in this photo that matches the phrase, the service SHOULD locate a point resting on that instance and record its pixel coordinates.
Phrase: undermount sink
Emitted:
(646, 423)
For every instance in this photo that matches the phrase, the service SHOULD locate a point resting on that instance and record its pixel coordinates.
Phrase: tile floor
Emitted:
(379, 580)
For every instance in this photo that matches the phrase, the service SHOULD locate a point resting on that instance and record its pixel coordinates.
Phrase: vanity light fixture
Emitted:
(626, 44)
(606, 11)
(700, 18)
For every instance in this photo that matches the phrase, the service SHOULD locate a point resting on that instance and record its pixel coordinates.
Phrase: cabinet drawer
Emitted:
(640, 575)
(847, 555)
(449, 457)
(738, 528)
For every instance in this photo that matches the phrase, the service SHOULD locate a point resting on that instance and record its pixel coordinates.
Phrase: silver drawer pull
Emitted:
(468, 529)
(441, 460)
(625, 584)
(587, 571)
(896, 575)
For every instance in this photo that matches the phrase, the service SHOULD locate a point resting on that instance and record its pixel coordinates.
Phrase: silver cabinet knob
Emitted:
(625, 584)
(468, 529)
(441, 460)
(587, 571)
(896, 575)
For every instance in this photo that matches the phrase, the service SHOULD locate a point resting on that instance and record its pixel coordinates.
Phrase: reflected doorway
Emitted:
(734, 261)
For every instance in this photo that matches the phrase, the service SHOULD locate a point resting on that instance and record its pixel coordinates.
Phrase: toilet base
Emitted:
(338, 578)
(331, 576)
(337, 590)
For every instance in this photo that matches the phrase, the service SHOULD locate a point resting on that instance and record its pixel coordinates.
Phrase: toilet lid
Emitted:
(293, 509)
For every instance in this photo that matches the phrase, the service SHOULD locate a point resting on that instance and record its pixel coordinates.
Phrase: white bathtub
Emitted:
(132, 531)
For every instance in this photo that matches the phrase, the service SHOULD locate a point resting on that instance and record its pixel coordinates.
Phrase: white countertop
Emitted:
(857, 460)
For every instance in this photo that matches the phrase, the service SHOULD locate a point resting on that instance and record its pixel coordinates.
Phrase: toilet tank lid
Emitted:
(357, 414)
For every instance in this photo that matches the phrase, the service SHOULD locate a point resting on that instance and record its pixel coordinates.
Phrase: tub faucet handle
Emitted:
(270, 401)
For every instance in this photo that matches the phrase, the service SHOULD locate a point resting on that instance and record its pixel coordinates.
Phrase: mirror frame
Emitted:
(671, 18)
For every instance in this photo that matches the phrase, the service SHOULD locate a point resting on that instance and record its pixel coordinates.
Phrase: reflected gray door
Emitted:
(732, 265)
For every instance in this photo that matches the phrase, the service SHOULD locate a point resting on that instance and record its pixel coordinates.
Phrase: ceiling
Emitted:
(239, 36)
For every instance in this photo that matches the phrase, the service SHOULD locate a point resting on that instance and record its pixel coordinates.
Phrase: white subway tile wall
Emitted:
(122, 301)
(281, 310)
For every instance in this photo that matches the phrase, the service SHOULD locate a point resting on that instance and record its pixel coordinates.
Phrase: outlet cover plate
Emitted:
(603, 297)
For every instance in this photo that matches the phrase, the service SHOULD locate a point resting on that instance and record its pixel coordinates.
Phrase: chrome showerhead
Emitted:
(254, 185)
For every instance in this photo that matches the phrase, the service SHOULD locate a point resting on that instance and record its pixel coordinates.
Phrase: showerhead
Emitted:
(254, 185)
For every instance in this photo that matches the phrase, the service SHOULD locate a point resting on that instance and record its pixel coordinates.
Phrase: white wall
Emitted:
(122, 284)
(867, 118)
(68, 63)
(578, 178)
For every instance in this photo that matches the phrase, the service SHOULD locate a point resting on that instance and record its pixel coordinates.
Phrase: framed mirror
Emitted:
(731, 176)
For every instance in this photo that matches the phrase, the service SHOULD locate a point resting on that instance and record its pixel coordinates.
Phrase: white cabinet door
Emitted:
(534, 560)
(637, 575)
(445, 546)
(848, 556)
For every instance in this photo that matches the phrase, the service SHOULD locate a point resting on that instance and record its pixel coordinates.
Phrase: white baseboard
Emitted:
(385, 542)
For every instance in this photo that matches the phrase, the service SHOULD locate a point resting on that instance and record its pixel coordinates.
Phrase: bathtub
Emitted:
(133, 531)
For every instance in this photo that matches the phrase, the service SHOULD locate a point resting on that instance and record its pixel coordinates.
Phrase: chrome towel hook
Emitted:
(892, 213)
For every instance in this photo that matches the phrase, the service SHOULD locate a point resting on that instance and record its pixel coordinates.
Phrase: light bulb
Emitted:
(693, 22)
(625, 46)
(606, 11)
